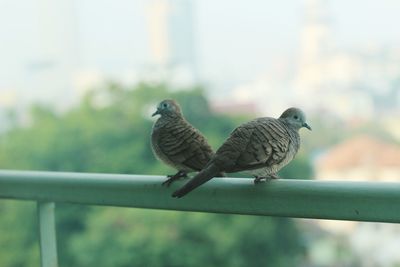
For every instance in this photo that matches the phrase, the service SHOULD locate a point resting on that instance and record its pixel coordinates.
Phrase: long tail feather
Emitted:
(206, 174)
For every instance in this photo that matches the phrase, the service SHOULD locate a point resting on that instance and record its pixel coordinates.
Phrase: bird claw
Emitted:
(260, 179)
(169, 181)
(173, 178)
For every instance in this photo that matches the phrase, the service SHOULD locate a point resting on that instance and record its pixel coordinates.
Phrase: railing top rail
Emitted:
(358, 201)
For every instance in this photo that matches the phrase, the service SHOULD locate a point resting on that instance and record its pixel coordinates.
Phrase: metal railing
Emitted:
(357, 201)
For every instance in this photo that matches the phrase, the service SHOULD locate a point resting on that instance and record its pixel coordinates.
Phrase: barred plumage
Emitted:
(262, 146)
(177, 143)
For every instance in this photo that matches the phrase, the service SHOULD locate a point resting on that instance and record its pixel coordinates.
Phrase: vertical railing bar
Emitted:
(47, 234)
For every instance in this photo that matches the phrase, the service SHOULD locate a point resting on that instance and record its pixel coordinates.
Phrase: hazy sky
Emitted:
(238, 39)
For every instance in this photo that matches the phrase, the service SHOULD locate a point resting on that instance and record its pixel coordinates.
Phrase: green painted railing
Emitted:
(358, 201)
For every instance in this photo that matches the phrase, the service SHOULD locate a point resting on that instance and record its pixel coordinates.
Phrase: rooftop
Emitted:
(360, 151)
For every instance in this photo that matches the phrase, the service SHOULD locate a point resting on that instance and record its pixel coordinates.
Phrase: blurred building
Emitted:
(365, 77)
(39, 53)
(360, 158)
(363, 158)
(347, 83)
(172, 45)
(52, 68)
(316, 47)
(376, 244)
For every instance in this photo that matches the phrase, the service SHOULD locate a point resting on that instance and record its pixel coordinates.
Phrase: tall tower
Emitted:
(316, 46)
(171, 36)
(316, 43)
(51, 70)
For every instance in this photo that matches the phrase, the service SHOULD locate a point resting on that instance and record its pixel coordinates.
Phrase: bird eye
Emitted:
(296, 117)
(164, 105)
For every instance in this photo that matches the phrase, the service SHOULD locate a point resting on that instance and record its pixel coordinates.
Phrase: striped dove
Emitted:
(177, 143)
(262, 146)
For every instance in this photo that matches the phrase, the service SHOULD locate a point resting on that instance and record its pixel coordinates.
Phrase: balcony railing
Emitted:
(357, 201)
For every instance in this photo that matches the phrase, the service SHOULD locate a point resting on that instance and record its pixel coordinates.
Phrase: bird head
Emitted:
(295, 118)
(168, 107)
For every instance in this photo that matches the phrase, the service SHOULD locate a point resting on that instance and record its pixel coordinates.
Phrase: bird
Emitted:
(262, 146)
(177, 143)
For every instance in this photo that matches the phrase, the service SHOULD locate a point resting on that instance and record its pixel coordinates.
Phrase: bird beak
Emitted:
(156, 113)
(307, 126)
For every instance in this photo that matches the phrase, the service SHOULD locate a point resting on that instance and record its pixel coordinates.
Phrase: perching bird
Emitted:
(177, 143)
(262, 146)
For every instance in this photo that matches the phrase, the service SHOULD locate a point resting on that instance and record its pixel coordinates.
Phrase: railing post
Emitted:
(47, 233)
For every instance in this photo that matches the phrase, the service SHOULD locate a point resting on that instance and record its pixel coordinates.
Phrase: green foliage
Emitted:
(299, 168)
(148, 238)
(109, 132)
(18, 236)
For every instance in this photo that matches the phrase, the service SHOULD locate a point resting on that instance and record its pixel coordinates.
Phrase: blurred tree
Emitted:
(18, 236)
(120, 237)
(109, 132)
(299, 168)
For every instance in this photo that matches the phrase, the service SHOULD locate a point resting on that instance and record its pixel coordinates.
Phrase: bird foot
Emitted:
(173, 178)
(260, 179)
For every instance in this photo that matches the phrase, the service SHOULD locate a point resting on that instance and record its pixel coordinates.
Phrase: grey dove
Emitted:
(262, 146)
(177, 143)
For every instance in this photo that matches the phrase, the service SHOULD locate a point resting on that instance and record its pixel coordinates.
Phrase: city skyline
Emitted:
(236, 43)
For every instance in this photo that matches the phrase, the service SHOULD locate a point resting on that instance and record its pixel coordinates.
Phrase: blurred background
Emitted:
(79, 80)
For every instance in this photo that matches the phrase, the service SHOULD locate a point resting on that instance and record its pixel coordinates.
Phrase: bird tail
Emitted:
(206, 174)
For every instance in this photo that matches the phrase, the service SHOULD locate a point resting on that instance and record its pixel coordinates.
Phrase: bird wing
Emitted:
(185, 145)
(253, 145)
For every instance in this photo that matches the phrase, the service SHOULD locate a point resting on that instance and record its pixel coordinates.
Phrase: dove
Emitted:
(261, 146)
(177, 143)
